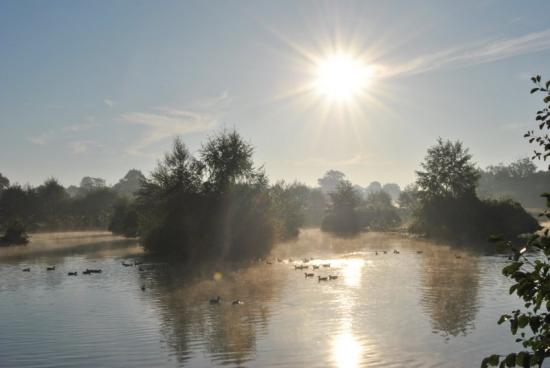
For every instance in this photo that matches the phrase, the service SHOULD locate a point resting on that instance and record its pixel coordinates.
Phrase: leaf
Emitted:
(534, 90)
(490, 361)
(511, 360)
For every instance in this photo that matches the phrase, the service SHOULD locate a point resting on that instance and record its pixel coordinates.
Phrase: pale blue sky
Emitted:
(99, 87)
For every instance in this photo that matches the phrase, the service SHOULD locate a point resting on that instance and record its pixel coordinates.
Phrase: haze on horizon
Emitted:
(97, 88)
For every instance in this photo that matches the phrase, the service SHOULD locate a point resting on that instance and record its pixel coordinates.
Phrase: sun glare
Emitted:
(341, 77)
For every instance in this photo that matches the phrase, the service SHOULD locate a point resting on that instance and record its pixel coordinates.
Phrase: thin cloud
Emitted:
(41, 139)
(79, 147)
(80, 127)
(108, 102)
(474, 54)
(322, 162)
(165, 123)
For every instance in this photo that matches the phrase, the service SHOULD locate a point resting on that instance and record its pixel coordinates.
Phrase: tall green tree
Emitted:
(4, 182)
(447, 171)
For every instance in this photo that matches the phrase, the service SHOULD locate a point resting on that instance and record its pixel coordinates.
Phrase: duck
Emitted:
(308, 274)
(457, 256)
(385, 252)
(72, 273)
(419, 252)
(376, 253)
(331, 277)
(395, 251)
(315, 267)
(126, 264)
(322, 278)
(305, 260)
(326, 265)
(87, 272)
(279, 260)
(237, 302)
(268, 262)
(92, 270)
(142, 287)
(136, 263)
(52, 268)
(140, 269)
(216, 301)
(26, 269)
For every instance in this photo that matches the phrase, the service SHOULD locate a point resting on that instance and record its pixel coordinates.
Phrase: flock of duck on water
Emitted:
(306, 262)
(89, 271)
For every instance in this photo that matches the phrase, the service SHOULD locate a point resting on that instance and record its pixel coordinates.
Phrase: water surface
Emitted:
(431, 305)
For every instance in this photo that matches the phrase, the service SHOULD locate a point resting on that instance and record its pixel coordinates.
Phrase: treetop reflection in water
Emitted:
(382, 309)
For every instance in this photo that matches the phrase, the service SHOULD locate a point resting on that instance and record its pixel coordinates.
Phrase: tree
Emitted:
(408, 198)
(342, 215)
(447, 171)
(227, 159)
(88, 183)
(373, 187)
(4, 182)
(130, 184)
(379, 212)
(392, 189)
(530, 272)
(330, 181)
(51, 203)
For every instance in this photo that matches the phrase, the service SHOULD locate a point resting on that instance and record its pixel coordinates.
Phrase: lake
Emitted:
(431, 305)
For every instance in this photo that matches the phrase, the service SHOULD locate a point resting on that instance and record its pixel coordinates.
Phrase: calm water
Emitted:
(434, 309)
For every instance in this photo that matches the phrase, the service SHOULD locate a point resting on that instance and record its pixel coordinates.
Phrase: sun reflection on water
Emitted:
(352, 270)
(346, 350)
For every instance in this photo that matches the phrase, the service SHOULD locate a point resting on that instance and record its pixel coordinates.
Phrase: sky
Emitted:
(95, 88)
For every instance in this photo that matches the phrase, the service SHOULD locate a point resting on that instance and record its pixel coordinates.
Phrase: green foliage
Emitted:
(342, 216)
(330, 181)
(216, 207)
(378, 212)
(125, 219)
(529, 268)
(15, 234)
(4, 182)
(130, 184)
(446, 205)
(447, 171)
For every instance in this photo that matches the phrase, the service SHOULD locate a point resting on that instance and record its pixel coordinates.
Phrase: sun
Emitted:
(341, 77)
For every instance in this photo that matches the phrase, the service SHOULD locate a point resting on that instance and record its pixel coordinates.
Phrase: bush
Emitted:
(15, 234)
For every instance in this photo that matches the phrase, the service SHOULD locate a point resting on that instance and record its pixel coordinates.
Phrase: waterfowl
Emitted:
(92, 270)
(375, 253)
(136, 263)
(322, 278)
(305, 260)
(330, 277)
(457, 256)
(268, 262)
(142, 287)
(126, 264)
(315, 267)
(26, 269)
(216, 301)
(385, 252)
(237, 302)
(140, 269)
(327, 265)
(72, 273)
(419, 252)
(87, 272)
(395, 251)
(308, 274)
(50, 268)
(301, 267)
(279, 260)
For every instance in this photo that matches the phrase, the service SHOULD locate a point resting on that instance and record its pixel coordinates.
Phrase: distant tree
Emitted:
(315, 207)
(4, 182)
(130, 184)
(289, 203)
(51, 203)
(342, 217)
(373, 187)
(18, 202)
(408, 198)
(378, 212)
(330, 181)
(88, 183)
(392, 189)
(125, 219)
(15, 234)
(447, 171)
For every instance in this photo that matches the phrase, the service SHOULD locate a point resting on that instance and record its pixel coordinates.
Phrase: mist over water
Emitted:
(436, 308)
